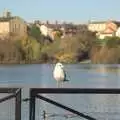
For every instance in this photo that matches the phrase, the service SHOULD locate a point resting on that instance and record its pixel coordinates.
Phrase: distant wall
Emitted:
(18, 27)
(4, 28)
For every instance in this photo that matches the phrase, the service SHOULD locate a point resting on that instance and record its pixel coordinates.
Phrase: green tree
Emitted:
(31, 47)
(34, 31)
(36, 49)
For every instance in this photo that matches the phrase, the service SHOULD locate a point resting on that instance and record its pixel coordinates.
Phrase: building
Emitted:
(61, 29)
(97, 26)
(45, 31)
(108, 32)
(104, 29)
(118, 32)
(12, 26)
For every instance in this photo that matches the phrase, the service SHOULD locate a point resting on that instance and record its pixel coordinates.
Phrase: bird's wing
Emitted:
(65, 76)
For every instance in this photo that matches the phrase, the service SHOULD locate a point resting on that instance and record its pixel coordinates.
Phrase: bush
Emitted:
(9, 52)
(78, 46)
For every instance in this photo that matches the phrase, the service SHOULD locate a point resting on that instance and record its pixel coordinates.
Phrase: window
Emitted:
(15, 28)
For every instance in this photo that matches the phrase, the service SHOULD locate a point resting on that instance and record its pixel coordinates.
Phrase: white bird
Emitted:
(59, 74)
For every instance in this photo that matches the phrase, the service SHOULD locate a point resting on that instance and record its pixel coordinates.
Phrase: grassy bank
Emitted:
(106, 51)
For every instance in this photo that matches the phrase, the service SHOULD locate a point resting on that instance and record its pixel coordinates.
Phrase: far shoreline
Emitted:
(39, 62)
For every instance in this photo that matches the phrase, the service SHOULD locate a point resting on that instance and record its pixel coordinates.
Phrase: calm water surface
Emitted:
(102, 107)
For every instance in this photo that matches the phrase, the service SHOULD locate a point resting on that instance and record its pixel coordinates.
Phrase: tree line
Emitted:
(35, 48)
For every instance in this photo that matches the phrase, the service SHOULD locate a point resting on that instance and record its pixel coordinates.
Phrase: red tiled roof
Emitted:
(108, 31)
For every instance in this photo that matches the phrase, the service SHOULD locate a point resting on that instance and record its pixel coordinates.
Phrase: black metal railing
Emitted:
(14, 93)
(35, 93)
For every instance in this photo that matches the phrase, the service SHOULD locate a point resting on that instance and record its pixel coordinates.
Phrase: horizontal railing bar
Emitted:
(75, 90)
(64, 107)
(6, 98)
(8, 90)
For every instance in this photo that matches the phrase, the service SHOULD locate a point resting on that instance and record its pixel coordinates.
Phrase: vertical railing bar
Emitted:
(32, 106)
(18, 105)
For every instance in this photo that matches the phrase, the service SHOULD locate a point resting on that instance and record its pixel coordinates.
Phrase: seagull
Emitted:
(59, 73)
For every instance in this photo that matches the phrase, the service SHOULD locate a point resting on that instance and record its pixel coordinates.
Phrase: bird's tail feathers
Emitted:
(66, 80)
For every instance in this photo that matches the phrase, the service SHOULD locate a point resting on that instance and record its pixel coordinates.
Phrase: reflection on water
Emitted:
(102, 107)
(108, 68)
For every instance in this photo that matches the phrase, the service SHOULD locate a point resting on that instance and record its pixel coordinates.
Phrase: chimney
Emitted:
(6, 13)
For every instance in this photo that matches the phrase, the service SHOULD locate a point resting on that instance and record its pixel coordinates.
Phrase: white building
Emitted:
(118, 32)
(47, 31)
(104, 29)
(96, 26)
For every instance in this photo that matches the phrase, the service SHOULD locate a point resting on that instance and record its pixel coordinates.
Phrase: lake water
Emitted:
(101, 107)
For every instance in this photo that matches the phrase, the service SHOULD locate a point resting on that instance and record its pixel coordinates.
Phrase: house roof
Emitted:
(100, 22)
(108, 31)
(97, 22)
(5, 19)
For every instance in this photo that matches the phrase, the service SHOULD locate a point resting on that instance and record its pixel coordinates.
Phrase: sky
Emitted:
(76, 11)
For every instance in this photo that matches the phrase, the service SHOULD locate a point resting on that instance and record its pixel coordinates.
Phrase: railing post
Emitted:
(18, 105)
(32, 106)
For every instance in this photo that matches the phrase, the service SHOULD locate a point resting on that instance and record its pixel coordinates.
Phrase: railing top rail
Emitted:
(75, 90)
(8, 90)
